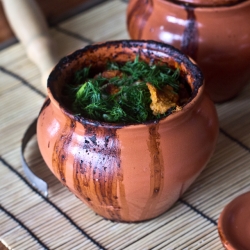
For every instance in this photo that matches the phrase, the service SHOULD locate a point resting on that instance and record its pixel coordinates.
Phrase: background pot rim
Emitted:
(181, 4)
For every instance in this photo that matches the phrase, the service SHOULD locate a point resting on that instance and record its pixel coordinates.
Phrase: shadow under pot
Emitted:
(127, 171)
(216, 34)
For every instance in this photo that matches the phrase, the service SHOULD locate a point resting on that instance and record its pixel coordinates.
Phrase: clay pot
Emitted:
(127, 172)
(234, 224)
(216, 34)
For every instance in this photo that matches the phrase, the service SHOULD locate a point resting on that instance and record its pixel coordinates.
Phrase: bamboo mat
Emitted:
(28, 220)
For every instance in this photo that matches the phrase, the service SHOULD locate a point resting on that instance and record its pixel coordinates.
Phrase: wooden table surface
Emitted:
(29, 220)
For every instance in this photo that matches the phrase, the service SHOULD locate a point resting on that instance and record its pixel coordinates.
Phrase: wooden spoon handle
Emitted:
(30, 27)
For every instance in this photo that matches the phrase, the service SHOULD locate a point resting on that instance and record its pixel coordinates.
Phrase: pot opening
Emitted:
(78, 74)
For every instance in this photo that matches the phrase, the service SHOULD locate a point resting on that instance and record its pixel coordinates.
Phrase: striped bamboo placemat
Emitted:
(28, 220)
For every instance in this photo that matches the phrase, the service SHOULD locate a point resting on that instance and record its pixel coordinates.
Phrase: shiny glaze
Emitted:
(234, 224)
(216, 37)
(127, 172)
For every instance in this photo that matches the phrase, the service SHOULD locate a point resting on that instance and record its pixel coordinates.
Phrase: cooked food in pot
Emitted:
(133, 92)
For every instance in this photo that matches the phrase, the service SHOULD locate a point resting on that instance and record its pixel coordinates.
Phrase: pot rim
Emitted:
(197, 5)
(151, 46)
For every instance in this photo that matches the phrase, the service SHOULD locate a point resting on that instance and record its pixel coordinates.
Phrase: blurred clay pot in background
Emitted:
(233, 223)
(127, 172)
(216, 34)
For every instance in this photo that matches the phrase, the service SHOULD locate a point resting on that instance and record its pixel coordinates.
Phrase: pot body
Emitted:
(217, 38)
(126, 172)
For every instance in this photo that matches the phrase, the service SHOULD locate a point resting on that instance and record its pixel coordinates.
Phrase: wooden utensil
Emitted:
(30, 27)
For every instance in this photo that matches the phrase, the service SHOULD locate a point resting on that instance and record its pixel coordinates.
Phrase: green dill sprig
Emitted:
(82, 74)
(130, 102)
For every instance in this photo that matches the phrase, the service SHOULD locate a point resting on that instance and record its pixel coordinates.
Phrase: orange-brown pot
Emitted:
(216, 34)
(127, 172)
(233, 224)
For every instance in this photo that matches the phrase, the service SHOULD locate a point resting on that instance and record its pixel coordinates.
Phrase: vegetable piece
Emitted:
(162, 100)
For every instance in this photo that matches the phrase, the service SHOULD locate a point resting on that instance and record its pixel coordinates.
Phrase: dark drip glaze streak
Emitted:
(156, 166)
(42, 111)
(190, 39)
(45, 105)
(97, 169)
(59, 157)
(140, 13)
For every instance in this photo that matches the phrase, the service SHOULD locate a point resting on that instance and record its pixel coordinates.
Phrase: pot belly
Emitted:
(132, 173)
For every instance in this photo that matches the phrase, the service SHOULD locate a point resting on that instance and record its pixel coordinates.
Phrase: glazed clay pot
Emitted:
(216, 34)
(127, 172)
(234, 224)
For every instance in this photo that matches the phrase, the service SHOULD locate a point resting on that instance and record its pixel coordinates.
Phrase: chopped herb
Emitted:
(134, 92)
